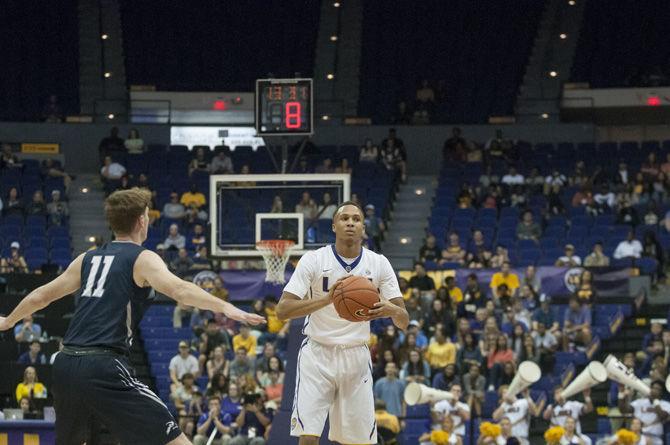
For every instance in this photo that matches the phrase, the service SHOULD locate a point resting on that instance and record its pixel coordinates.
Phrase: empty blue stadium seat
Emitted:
(37, 241)
(35, 231)
(418, 411)
(547, 243)
(417, 426)
(57, 231)
(36, 221)
(647, 265)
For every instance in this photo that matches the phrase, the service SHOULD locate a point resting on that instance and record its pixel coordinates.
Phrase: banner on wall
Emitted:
(561, 281)
(245, 285)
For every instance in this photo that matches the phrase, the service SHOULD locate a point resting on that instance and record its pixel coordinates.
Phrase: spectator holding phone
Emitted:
(252, 421)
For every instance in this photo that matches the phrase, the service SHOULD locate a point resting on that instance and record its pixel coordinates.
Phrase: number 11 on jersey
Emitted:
(90, 281)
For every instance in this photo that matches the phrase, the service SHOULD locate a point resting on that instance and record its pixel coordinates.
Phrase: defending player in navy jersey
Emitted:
(92, 376)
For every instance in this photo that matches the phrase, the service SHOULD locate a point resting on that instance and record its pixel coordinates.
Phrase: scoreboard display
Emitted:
(284, 107)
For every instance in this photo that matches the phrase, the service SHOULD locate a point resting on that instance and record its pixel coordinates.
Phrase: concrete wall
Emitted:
(79, 142)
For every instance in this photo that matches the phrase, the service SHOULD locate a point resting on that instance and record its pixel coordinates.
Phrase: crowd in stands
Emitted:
(227, 376)
(35, 213)
(506, 209)
(180, 219)
(470, 340)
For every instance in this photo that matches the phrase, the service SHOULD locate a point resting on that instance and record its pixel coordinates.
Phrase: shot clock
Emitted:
(284, 107)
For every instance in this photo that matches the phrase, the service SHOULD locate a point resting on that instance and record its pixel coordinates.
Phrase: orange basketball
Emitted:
(354, 297)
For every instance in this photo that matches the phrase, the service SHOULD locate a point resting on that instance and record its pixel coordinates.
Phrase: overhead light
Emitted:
(572, 3)
(544, 116)
(104, 37)
(336, 4)
(419, 192)
(405, 240)
(553, 73)
(325, 117)
(108, 74)
(563, 36)
(91, 239)
(84, 190)
(110, 116)
(330, 76)
(333, 38)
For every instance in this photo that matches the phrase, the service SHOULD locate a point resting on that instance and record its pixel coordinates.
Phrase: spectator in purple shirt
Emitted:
(232, 403)
(576, 325)
(213, 419)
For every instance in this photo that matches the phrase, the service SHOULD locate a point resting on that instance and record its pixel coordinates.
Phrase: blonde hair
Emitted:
(124, 207)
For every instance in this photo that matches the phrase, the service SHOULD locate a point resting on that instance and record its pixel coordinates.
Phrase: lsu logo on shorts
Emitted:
(294, 423)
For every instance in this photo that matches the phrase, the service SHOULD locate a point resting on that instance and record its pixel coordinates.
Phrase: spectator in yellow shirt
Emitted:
(277, 330)
(193, 198)
(30, 386)
(245, 340)
(274, 323)
(388, 425)
(405, 290)
(455, 293)
(219, 290)
(441, 352)
(505, 276)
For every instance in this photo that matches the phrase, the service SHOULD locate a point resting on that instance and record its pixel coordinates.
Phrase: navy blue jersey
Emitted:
(109, 305)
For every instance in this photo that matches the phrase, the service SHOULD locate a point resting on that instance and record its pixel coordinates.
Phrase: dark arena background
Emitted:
(512, 158)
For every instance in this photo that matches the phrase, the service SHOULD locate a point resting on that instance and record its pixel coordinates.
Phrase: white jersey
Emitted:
(444, 407)
(571, 408)
(575, 440)
(318, 270)
(517, 413)
(644, 410)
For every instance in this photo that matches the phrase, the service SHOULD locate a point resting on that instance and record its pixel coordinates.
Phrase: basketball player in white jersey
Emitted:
(652, 411)
(334, 372)
(556, 414)
(518, 411)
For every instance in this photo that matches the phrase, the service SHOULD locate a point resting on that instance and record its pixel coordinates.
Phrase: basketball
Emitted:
(354, 297)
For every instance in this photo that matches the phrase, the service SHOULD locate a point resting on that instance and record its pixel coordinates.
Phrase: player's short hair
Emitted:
(348, 203)
(123, 207)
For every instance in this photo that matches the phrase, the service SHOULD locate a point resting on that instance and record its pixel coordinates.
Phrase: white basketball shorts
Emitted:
(334, 381)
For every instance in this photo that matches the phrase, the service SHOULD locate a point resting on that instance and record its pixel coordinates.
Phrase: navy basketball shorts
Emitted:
(105, 386)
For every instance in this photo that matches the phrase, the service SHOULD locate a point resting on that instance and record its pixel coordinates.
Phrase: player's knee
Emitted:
(308, 440)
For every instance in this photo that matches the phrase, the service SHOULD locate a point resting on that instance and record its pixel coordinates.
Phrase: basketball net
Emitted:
(275, 253)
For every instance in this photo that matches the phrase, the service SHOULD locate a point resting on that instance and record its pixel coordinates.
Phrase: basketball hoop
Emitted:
(275, 253)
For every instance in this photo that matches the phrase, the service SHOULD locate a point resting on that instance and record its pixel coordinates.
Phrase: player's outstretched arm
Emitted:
(65, 284)
(150, 270)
